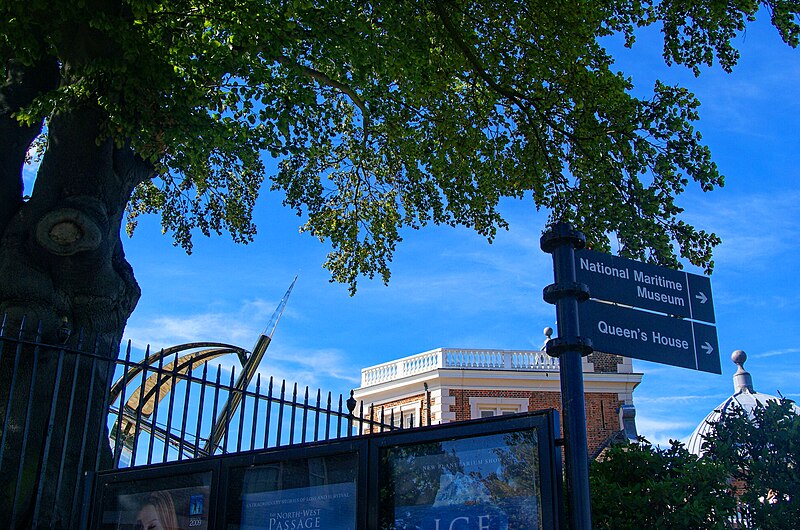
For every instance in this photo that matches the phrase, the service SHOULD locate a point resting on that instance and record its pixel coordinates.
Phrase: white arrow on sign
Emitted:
(708, 348)
(702, 297)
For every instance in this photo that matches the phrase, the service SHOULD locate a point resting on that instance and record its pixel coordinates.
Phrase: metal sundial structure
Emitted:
(145, 393)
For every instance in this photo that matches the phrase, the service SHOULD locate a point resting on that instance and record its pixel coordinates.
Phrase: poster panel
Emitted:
(488, 482)
(178, 502)
(301, 493)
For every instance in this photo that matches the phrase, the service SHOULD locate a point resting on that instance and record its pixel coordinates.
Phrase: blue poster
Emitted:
(481, 483)
(326, 507)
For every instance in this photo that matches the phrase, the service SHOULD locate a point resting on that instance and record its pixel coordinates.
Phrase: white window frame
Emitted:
(498, 405)
(408, 408)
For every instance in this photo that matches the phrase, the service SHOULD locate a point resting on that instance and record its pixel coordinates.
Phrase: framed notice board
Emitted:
(182, 498)
(313, 487)
(481, 475)
(498, 473)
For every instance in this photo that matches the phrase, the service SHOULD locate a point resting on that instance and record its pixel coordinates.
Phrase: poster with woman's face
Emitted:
(174, 503)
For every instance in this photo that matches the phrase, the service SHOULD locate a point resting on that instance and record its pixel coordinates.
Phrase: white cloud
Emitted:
(749, 240)
(313, 366)
(775, 353)
(677, 399)
(660, 432)
(240, 327)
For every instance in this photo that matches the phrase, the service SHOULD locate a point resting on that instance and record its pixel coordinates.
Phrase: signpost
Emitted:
(625, 330)
(650, 337)
(566, 293)
(621, 306)
(645, 286)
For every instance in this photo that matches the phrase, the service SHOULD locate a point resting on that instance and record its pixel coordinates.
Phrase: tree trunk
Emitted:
(62, 268)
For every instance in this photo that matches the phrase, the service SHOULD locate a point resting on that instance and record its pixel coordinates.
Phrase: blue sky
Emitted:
(449, 288)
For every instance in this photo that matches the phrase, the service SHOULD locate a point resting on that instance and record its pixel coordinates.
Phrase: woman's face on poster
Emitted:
(148, 518)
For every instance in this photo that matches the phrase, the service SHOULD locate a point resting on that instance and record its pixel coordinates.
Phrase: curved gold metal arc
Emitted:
(150, 360)
(143, 398)
(161, 381)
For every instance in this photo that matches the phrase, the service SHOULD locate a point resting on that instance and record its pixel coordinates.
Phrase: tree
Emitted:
(384, 116)
(640, 486)
(761, 451)
(748, 474)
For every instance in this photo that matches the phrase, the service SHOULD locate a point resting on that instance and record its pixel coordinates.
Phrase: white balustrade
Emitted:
(458, 358)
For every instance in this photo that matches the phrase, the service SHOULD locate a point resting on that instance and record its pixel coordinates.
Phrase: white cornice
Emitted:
(407, 387)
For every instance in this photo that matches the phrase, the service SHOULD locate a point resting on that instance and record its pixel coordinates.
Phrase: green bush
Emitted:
(639, 486)
(748, 478)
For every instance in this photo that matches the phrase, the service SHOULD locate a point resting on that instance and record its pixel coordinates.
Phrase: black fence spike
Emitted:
(137, 427)
(184, 419)
(280, 415)
(293, 415)
(317, 415)
(267, 423)
(228, 412)
(305, 418)
(170, 407)
(328, 418)
(199, 427)
(254, 421)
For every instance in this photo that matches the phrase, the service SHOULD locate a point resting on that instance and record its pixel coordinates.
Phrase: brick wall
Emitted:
(605, 362)
(602, 418)
(415, 400)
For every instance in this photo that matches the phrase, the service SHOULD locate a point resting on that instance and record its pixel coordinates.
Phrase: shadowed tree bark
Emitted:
(62, 269)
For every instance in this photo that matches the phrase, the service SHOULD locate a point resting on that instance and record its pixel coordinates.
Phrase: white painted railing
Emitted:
(521, 360)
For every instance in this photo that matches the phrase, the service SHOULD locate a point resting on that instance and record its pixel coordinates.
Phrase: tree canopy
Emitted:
(386, 115)
(761, 450)
(747, 477)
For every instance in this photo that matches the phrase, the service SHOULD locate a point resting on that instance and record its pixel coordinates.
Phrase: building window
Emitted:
(405, 416)
(489, 412)
(487, 407)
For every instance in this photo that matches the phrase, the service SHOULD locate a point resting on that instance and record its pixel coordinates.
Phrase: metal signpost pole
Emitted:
(562, 241)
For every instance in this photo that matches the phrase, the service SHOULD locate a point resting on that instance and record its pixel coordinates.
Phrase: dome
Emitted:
(744, 397)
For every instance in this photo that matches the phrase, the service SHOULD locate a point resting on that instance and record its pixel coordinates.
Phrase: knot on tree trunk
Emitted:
(66, 231)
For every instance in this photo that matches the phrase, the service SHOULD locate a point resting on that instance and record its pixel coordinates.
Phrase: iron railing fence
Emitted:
(50, 432)
(175, 409)
(182, 408)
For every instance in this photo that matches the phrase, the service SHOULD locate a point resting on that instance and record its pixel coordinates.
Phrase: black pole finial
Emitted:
(559, 234)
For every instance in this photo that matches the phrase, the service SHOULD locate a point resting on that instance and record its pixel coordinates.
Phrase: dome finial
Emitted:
(742, 380)
(548, 333)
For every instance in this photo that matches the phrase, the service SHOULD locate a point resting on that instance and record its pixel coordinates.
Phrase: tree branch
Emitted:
(21, 86)
(469, 54)
(341, 87)
(524, 101)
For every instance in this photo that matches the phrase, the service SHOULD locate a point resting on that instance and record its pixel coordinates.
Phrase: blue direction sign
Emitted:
(650, 337)
(646, 286)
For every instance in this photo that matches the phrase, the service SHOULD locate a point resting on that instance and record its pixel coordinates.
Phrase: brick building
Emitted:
(446, 384)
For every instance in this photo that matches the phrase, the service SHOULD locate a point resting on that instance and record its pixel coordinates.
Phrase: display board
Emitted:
(180, 502)
(490, 474)
(300, 493)
(488, 482)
